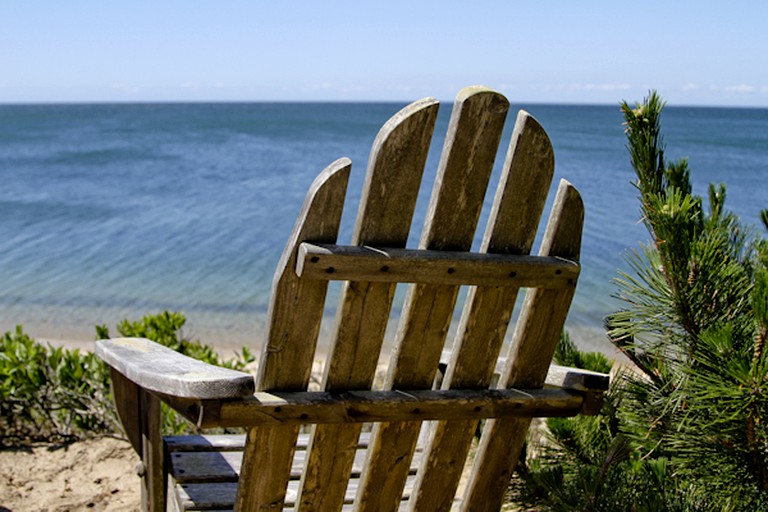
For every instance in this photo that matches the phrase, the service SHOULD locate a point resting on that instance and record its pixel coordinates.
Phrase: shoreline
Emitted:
(228, 337)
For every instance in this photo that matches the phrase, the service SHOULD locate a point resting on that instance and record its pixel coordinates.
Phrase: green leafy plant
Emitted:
(53, 394)
(166, 328)
(50, 393)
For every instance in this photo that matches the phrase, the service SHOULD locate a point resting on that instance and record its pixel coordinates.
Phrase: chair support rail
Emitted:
(302, 408)
(362, 263)
(228, 399)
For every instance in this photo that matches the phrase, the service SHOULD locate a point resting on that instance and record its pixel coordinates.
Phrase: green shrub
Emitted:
(166, 328)
(49, 393)
(54, 394)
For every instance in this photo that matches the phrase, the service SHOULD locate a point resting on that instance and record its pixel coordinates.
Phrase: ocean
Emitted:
(117, 211)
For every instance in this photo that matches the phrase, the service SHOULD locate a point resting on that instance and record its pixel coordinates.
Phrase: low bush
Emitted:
(55, 394)
(50, 393)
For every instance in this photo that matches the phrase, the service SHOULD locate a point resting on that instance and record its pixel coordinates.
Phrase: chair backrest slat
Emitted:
(387, 205)
(286, 358)
(533, 344)
(465, 167)
(388, 200)
(515, 215)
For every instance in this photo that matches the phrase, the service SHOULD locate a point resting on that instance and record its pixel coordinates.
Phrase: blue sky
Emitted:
(694, 53)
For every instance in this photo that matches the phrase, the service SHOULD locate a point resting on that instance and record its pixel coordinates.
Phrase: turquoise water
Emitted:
(115, 211)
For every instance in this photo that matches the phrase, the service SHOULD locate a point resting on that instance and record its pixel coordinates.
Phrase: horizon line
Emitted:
(5, 103)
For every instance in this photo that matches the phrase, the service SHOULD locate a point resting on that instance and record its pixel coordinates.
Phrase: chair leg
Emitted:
(153, 485)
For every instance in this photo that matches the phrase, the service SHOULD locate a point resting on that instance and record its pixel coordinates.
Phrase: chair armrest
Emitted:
(577, 379)
(162, 370)
(571, 379)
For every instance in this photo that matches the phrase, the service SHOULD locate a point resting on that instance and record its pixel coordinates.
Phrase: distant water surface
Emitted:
(115, 211)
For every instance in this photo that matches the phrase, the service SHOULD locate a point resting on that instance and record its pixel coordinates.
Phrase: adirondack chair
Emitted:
(405, 444)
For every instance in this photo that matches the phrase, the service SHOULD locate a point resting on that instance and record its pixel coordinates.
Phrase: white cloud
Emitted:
(740, 89)
(600, 87)
(124, 88)
(690, 87)
(323, 86)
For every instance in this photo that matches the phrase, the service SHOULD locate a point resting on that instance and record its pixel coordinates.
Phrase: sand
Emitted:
(96, 474)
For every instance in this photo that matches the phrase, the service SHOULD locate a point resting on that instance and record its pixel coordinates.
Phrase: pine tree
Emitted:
(685, 427)
(694, 325)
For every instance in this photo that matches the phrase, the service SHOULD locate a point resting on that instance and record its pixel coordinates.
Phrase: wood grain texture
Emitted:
(230, 442)
(219, 496)
(157, 368)
(153, 498)
(139, 414)
(286, 359)
(564, 377)
(338, 262)
(515, 214)
(384, 219)
(392, 406)
(207, 466)
(126, 396)
(533, 344)
(469, 151)
(266, 467)
(388, 199)
(204, 469)
(335, 466)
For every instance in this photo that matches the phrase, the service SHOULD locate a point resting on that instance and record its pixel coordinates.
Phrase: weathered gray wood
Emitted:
(337, 262)
(139, 413)
(514, 218)
(286, 358)
(219, 496)
(290, 408)
(278, 467)
(565, 377)
(151, 469)
(576, 379)
(224, 466)
(206, 496)
(231, 442)
(157, 368)
(266, 467)
(384, 218)
(466, 162)
(195, 460)
(127, 399)
(533, 343)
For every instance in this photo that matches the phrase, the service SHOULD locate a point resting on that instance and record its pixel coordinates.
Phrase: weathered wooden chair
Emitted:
(350, 445)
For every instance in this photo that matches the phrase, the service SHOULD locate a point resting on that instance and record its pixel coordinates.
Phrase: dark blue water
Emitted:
(114, 211)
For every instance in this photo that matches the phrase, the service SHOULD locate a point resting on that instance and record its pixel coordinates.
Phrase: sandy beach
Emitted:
(97, 474)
